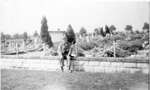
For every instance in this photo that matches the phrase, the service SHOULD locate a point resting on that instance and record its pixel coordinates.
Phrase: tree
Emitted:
(16, 36)
(129, 28)
(7, 36)
(83, 31)
(146, 27)
(96, 31)
(2, 36)
(35, 34)
(25, 36)
(112, 28)
(137, 32)
(70, 35)
(102, 33)
(107, 30)
(45, 36)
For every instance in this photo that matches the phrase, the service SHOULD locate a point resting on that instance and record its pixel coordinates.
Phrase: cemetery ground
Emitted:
(48, 80)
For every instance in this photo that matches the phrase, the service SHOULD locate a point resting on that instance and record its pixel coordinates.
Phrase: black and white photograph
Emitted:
(74, 44)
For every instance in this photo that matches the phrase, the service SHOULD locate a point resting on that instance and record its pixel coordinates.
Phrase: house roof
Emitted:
(56, 31)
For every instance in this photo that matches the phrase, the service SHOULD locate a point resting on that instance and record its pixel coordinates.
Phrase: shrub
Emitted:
(119, 53)
(131, 46)
(87, 45)
(83, 31)
(51, 52)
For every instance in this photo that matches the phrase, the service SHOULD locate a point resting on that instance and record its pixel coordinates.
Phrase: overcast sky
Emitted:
(18, 16)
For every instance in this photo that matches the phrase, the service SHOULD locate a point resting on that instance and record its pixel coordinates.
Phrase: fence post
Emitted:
(17, 49)
(114, 46)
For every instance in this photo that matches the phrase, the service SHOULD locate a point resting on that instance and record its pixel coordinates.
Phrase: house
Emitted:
(57, 36)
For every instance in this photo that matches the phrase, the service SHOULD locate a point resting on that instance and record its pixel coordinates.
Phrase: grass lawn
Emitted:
(47, 80)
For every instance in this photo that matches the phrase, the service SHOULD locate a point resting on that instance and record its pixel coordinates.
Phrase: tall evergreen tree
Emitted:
(45, 36)
(107, 30)
(102, 33)
(25, 36)
(2, 36)
(70, 35)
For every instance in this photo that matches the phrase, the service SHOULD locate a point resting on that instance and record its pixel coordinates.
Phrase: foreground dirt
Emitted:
(46, 80)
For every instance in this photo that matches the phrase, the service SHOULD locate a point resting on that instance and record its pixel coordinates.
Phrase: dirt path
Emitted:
(44, 80)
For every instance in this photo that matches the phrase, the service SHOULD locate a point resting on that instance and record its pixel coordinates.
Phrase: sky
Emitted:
(18, 16)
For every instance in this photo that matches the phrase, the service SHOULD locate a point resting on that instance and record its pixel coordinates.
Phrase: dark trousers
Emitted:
(69, 61)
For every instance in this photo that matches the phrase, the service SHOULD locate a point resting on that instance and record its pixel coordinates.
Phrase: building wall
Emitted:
(56, 36)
